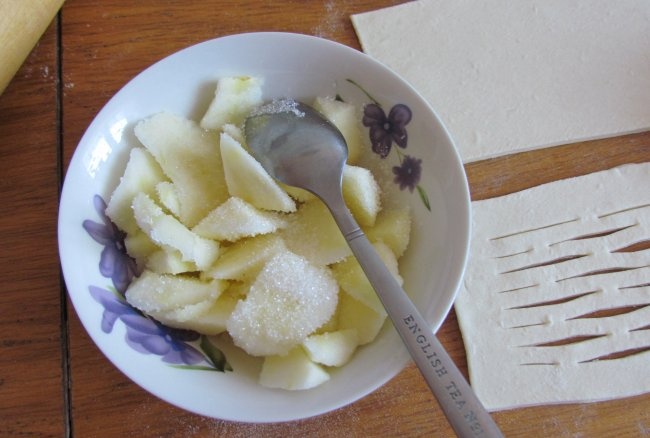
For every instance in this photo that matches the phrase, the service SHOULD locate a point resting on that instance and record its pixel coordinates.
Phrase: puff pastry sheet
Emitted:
(555, 304)
(506, 76)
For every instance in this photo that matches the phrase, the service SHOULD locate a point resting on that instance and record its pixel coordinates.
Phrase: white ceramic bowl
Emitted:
(296, 66)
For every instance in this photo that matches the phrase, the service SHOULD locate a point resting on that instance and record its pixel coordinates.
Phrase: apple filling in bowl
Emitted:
(222, 247)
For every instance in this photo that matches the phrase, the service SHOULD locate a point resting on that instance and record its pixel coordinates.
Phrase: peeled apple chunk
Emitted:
(333, 323)
(361, 194)
(152, 292)
(166, 230)
(235, 219)
(244, 259)
(234, 99)
(189, 156)
(345, 117)
(353, 280)
(300, 195)
(168, 261)
(312, 233)
(139, 245)
(247, 179)
(289, 299)
(176, 301)
(331, 348)
(353, 314)
(142, 174)
(212, 320)
(393, 227)
(236, 133)
(168, 197)
(294, 371)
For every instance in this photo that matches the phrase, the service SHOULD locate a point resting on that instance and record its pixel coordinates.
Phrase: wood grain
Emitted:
(513, 173)
(103, 44)
(31, 378)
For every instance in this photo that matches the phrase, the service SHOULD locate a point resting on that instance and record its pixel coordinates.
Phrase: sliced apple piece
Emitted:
(243, 260)
(235, 132)
(393, 227)
(247, 179)
(166, 230)
(168, 197)
(346, 118)
(297, 193)
(332, 348)
(313, 234)
(176, 301)
(189, 156)
(212, 320)
(239, 289)
(235, 219)
(332, 324)
(142, 173)
(361, 194)
(156, 293)
(288, 301)
(168, 261)
(353, 280)
(389, 259)
(139, 245)
(182, 317)
(234, 99)
(294, 371)
(353, 314)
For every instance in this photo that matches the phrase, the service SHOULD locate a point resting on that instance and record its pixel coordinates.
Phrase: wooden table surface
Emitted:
(54, 381)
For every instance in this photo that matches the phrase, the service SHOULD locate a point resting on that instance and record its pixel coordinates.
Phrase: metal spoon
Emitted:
(299, 147)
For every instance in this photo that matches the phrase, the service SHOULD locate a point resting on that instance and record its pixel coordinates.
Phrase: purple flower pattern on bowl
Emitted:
(143, 334)
(384, 130)
(114, 262)
(407, 174)
(150, 337)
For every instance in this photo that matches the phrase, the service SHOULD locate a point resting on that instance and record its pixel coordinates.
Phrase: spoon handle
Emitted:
(460, 404)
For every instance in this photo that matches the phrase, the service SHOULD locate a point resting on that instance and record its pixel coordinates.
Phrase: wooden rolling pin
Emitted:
(22, 22)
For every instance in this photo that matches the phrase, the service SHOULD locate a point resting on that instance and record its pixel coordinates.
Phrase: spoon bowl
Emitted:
(299, 147)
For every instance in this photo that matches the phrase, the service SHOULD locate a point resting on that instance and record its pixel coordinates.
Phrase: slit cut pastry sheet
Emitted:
(507, 76)
(555, 304)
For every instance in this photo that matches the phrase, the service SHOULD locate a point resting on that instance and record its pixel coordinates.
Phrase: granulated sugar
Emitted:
(278, 106)
(289, 300)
